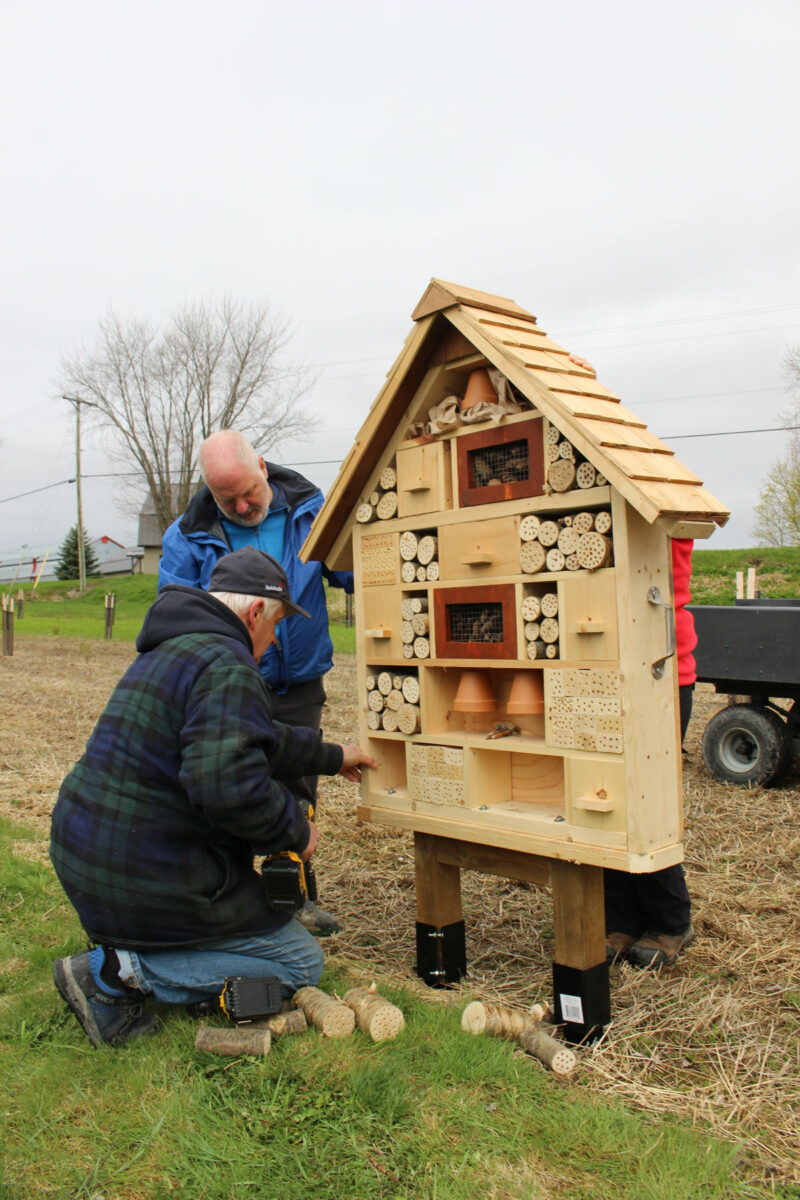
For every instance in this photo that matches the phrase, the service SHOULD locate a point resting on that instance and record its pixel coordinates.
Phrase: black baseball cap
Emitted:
(252, 572)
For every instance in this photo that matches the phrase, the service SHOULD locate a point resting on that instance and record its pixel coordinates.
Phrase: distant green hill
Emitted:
(714, 572)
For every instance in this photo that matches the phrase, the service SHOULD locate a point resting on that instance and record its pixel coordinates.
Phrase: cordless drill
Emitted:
(288, 881)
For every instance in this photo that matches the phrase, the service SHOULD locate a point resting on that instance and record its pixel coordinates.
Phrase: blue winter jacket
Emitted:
(192, 545)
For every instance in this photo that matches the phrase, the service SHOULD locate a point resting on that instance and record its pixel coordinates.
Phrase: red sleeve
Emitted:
(684, 621)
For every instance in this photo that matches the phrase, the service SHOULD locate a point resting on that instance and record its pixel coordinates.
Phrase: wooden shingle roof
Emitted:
(642, 467)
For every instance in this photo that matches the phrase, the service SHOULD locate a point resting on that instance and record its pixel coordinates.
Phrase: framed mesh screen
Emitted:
(509, 463)
(475, 622)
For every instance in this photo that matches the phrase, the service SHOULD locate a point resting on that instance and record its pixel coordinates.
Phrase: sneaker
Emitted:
(659, 949)
(316, 920)
(617, 945)
(106, 1020)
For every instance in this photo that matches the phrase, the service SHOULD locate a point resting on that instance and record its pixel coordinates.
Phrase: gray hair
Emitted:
(239, 603)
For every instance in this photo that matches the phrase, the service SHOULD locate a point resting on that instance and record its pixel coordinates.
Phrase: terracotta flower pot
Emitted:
(479, 387)
(527, 693)
(474, 694)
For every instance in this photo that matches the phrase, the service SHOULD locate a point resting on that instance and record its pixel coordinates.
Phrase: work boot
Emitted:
(106, 1020)
(316, 920)
(659, 949)
(617, 945)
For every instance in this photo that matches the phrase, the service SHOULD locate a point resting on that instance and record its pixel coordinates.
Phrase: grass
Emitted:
(436, 1113)
(57, 609)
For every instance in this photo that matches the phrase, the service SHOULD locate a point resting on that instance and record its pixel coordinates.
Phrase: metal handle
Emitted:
(654, 597)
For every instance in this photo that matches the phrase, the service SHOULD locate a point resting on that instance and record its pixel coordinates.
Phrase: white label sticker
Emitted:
(571, 1008)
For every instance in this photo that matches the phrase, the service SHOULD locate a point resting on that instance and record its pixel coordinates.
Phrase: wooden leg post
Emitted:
(580, 971)
(441, 944)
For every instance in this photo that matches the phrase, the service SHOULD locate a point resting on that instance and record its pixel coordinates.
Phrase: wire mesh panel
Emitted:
(509, 463)
(475, 622)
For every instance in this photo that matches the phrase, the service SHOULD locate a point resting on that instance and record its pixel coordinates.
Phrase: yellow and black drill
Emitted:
(288, 881)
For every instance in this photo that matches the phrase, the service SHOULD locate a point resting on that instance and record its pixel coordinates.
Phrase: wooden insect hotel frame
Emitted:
(508, 522)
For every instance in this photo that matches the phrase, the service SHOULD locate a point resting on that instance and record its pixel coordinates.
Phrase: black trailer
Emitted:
(751, 652)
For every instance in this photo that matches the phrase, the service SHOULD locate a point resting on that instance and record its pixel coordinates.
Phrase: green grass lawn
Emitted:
(436, 1113)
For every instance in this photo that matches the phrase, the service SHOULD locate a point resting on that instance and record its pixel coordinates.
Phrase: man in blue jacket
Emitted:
(249, 502)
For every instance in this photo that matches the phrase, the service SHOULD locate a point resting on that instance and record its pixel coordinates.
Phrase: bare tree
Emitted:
(777, 514)
(160, 392)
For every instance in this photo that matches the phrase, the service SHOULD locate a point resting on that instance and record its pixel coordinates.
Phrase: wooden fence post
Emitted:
(8, 624)
(110, 600)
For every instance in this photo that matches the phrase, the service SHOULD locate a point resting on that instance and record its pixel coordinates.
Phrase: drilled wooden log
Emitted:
(422, 647)
(422, 574)
(566, 449)
(532, 631)
(420, 623)
(426, 550)
(410, 689)
(555, 560)
(549, 630)
(406, 631)
(551, 650)
(389, 720)
(548, 533)
(583, 522)
(594, 550)
(233, 1041)
(397, 682)
(553, 436)
(395, 699)
(388, 479)
(601, 480)
(408, 545)
(419, 604)
(554, 1054)
(372, 683)
(374, 1014)
(408, 572)
(375, 701)
(532, 557)
(568, 540)
(573, 563)
(531, 607)
(373, 498)
(408, 719)
(432, 571)
(365, 513)
(331, 1017)
(602, 522)
(529, 528)
(384, 683)
(408, 650)
(537, 649)
(373, 720)
(406, 609)
(497, 1021)
(387, 506)
(550, 604)
(585, 475)
(551, 454)
(561, 475)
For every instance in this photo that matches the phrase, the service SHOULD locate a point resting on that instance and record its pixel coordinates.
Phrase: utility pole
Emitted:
(76, 400)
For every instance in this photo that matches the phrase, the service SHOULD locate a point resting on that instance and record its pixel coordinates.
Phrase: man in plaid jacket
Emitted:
(181, 784)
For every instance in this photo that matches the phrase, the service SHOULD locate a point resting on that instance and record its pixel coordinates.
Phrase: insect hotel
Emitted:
(508, 522)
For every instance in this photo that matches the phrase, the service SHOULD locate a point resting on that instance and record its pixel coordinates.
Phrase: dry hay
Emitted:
(715, 1038)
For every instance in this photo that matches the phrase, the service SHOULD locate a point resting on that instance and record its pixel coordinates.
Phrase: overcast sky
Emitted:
(626, 170)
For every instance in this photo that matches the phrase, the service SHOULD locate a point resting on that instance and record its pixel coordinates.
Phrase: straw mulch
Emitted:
(715, 1038)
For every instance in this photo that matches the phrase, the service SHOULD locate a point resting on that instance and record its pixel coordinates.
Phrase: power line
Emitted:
(676, 437)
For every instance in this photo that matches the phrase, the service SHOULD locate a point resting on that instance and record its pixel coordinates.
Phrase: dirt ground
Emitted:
(715, 1038)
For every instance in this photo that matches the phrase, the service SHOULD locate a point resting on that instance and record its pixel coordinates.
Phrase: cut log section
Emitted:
(553, 436)
(568, 540)
(233, 1042)
(566, 449)
(561, 475)
(532, 557)
(373, 720)
(374, 497)
(532, 631)
(432, 571)
(426, 550)
(389, 720)
(395, 700)
(375, 701)
(531, 607)
(408, 650)
(384, 683)
(331, 1017)
(420, 623)
(408, 572)
(422, 574)
(551, 454)
(573, 563)
(585, 476)
(365, 513)
(422, 647)
(497, 1021)
(408, 545)
(549, 630)
(583, 522)
(374, 1014)
(387, 506)
(372, 683)
(419, 604)
(284, 1024)
(408, 719)
(388, 479)
(551, 650)
(537, 649)
(549, 604)
(555, 560)
(602, 522)
(594, 550)
(406, 632)
(410, 689)
(529, 528)
(548, 533)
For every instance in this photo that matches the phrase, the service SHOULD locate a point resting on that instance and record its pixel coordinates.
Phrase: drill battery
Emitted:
(242, 1000)
(288, 882)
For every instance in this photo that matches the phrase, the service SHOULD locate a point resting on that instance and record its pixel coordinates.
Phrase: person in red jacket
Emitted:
(649, 917)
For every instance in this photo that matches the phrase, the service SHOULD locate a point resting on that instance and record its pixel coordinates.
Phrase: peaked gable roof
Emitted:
(642, 467)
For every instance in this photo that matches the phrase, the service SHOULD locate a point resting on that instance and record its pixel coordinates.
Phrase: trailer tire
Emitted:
(746, 744)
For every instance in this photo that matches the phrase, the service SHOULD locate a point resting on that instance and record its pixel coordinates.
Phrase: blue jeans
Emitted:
(189, 974)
